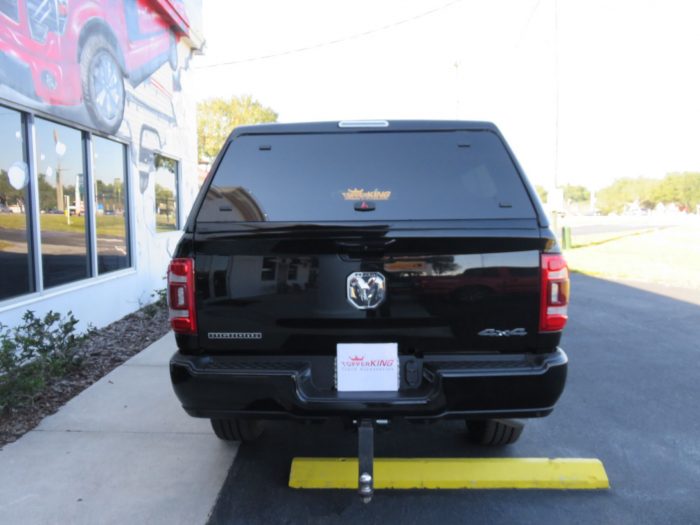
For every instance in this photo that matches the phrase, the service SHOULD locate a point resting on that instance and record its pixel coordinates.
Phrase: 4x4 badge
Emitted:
(366, 290)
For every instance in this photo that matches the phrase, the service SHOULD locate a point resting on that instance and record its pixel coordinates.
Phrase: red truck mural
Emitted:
(73, 52)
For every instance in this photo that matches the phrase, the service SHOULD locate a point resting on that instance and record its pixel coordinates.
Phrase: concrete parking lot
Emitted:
(124, 452)
(631, 401)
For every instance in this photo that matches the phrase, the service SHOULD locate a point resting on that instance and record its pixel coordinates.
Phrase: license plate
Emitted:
(363, 367)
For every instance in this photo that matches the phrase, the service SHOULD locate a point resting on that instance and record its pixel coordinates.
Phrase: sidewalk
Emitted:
(123, 451)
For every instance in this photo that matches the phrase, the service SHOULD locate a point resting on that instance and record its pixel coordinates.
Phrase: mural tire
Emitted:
(95, 45)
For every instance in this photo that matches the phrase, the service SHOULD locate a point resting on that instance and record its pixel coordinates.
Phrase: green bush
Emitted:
(34, 352)
(161, 302)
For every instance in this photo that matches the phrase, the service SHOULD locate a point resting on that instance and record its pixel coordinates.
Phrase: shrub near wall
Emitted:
(34, 352)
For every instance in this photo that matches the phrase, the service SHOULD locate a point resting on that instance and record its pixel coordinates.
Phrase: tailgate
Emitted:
(466, 289)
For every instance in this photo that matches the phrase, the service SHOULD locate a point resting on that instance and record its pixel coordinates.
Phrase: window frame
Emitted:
(89, 152)
(38, 290)
(178, 221)
(28, 205)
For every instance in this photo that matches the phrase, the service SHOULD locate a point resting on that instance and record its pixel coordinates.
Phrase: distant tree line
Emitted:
(682, 189)
(572, 193)
(111, 196)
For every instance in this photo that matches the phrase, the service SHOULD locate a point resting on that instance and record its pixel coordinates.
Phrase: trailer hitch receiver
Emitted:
(365, 456)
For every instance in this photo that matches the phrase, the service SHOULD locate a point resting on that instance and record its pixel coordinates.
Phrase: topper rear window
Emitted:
(366, 177)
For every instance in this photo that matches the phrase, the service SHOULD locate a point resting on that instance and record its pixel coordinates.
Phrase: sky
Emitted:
(584, 91)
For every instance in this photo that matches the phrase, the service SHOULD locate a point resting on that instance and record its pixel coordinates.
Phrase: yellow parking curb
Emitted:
(452, 473)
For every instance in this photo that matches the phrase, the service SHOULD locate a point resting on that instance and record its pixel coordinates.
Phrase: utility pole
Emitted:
(556, 93)
(59, 182)
(555, 213)
(456, 66)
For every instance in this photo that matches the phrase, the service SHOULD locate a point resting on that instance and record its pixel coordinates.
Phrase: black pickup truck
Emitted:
(369, 271)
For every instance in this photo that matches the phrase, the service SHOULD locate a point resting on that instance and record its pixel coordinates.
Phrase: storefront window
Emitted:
(49, 198)
(61, 184)
(109, 174)
(16, 276)
(166, 194)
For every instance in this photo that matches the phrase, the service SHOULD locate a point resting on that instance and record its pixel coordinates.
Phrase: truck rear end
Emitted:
(367, 270)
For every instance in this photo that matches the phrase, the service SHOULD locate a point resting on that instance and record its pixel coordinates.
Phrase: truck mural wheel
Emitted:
(103, 84)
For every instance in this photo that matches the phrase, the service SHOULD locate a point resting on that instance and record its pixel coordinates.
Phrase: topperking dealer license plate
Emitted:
(367, 367)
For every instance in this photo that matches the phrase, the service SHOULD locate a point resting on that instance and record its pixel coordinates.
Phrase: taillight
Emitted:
(181, 296)
(555, 293)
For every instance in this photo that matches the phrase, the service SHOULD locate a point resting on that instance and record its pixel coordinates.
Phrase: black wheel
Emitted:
(243, 430)
(102, 82)
(494, 432)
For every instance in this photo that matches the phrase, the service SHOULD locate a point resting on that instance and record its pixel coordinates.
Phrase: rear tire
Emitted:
(243, 430)
(494, 432)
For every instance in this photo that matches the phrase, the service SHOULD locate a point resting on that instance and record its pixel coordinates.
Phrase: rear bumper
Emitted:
(477, 386)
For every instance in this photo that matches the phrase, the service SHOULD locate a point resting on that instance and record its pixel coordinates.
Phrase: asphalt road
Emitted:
(631, 401)
(588, 229)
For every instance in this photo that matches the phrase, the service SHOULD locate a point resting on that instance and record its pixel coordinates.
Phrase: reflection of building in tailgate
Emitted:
(256, 275)
(98, 160)
(236, 203)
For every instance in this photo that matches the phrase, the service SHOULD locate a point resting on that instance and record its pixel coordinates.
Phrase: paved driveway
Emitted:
(631, 401)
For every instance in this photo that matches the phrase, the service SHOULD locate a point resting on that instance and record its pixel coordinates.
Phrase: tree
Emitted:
(679, 188)
(626, 191)
(576, 193)
(47, 194)
(541, 192)
(8, 194)
(217, 117)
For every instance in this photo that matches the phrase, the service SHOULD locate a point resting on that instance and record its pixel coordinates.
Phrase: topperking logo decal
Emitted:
(367, 365)
(359, 194)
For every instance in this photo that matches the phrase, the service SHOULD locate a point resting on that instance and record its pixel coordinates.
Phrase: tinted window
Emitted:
(43, 17)
(9, 8)
(15, 262)
(393, 176)
(109, 173)
(61, 179)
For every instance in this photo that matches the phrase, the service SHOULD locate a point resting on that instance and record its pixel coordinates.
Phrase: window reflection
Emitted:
(166, 194)
(61, 180)
(109, 173)
(15, 262)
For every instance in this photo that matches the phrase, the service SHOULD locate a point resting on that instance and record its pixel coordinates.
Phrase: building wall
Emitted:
(80, 256)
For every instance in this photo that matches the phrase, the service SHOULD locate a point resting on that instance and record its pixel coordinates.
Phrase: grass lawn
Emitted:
(667, 256)
(582, 241)
(107, 225)
(165, 224)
